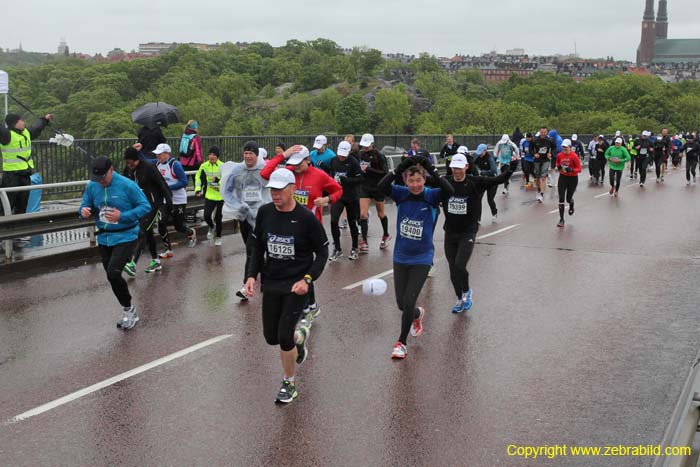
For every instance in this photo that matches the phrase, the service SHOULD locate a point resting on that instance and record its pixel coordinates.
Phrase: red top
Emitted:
(569, 160)
(309, 186)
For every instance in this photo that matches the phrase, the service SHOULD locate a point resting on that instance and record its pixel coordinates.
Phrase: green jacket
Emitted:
(619, 153)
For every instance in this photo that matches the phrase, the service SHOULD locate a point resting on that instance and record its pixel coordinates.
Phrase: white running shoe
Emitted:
(218, 241)
(210, 234)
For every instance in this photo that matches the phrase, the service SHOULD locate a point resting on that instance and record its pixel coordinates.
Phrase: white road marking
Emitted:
(391, 271)
(553, 211)
(602, 194)
(115, 379)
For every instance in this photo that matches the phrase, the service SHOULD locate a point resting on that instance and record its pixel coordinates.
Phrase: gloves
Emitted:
(342, 180)
(405, 164)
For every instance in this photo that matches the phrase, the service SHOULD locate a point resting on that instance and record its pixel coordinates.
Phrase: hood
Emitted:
(504, 139)
(554, 134)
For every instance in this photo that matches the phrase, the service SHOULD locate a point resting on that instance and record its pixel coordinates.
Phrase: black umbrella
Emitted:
(155, 114)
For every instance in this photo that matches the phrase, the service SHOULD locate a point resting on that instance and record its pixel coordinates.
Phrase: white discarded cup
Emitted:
(374, 287)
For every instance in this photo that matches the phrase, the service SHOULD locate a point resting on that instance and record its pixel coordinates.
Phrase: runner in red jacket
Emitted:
(569, 166)
(311, 183)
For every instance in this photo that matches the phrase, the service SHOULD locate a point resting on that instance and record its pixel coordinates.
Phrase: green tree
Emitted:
(392, 110)
(351, 115)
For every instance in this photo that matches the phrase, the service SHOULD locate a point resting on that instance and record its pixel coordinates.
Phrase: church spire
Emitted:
(662, 20)
(649, 11)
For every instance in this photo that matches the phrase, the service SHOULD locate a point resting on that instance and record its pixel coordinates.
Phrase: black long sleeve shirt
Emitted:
(462, 208)
(34, 131)
(348, 173)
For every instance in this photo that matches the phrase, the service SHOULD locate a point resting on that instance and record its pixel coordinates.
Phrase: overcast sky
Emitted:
(598, 27)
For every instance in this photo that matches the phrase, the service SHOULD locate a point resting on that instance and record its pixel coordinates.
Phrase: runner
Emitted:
(662, 149)
(569, 166)
(417, 208)
(692, 154)
(644, 148)
(321, 154)
(541, 149)
(528, 160)
(591, 156)
(617, 156)
(600, 160)
(554, 136)
(462, 212)
(374, 166)
(147, 177)
(176, 179)
(289, 247)
(311, 183)
(346, 171)
(210, 173)
(506, 152)
(244, 193)
(471, 169)
(634, 161)
(117, 204)
(486, 164)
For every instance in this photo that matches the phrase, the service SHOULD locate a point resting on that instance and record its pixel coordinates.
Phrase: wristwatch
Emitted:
(308, 279)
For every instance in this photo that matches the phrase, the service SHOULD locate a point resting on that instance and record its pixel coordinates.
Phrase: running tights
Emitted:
(615, 179)
(146, 235)
(114, 258)
(177, 214)
(216, 208)
(458, 249)
(642, 166)
(567, 187)
(280, 312)
(691, 163)
(352, 207)
(408, 282)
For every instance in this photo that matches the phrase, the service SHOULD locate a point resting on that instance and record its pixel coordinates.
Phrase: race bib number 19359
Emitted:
(457, 206)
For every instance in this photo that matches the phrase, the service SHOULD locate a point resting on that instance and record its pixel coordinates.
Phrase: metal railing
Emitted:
(58, 164)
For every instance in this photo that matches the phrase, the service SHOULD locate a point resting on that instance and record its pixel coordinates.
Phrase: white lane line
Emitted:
(505, 229)
(602, 194)
(115, 379)
(553, 211)
(390, 271)
(378, 276)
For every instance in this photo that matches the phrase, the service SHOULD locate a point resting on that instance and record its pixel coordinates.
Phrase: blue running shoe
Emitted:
(459, 307)
(467, 300)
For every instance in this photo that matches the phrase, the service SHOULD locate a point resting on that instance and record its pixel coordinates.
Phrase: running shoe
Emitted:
(130, 269)
(494, 218)
(549, 180)
(459, 307)
(615, 194)
(343, 224)
(657, 180)
(218, 241)
(641, 184)
(528, 186)
(662, 178)
(312, 312)
(505, 191)
(364, 248)
(302, 351)
(431, 273)
(129, 318)
(287, 392)
(399, 351)
(210, 234)
(540, 198)
(337, 254)
(192, 238)
(560, 223)
(571, 209)
(153, 266)
(612, 190)
(385, 242)
(467, 299)
(631, 177)
(353, 255)
(242, 294)
(166, 254)
(417, 325)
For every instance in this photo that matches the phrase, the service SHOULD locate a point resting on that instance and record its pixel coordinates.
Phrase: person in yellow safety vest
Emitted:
(210, 173)
(17, 162)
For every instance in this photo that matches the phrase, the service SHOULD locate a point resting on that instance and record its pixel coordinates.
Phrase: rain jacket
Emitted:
(621, 153)
(554, 136)
(209, 172)
(236, 180)
(190, 149)
(123, 194)
(502, 152)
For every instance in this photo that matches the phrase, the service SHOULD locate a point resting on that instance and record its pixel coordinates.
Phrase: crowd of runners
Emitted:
(279, 204)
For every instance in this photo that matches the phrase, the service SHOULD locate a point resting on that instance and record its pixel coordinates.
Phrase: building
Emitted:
(63, 47)
(515, 52)
(656, 48)
(156, 48)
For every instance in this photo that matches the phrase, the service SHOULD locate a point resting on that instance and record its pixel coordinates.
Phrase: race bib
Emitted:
(457, 206)
(411, 230)
(364, 165)
(103, 213)
(251, 194)
(643, 151)
(542, 151)
(280, 247)
(302, 197)
(338, 175)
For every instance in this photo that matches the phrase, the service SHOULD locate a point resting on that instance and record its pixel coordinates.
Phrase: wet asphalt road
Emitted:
(580, 336)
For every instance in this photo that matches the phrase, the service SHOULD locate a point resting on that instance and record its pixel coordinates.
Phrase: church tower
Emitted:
(662, 21)
(645, 51)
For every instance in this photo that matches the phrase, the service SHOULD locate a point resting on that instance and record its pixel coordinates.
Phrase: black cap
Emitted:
(251, 146)
(131, 154)
(215, 150)
(528, 135)
(12, 119)
(100, 167)
(282, 145)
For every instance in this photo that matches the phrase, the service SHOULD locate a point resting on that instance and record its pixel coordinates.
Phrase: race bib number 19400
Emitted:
(280, 247)
(410, 229)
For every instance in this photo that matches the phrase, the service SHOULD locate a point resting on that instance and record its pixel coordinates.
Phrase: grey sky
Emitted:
(599, 27)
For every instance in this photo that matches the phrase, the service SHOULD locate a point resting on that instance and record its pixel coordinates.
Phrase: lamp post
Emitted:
(4, 86)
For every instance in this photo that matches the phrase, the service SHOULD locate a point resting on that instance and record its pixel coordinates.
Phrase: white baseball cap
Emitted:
(459, 161)
(462, 150)
(566, 143)
(367, 140)
(320, 141)
(297, 157)
(574, 137)
(161, 148)
(344, 149)
(618, 140)
(281, 178)
(618, 133)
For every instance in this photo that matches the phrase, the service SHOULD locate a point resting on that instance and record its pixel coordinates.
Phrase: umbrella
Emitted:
(155, 114)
